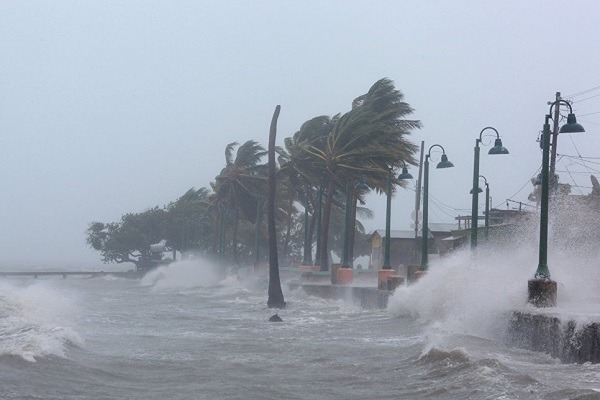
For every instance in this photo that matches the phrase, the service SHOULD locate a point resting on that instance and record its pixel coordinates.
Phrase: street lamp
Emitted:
(487, 206)
(405, 175)
(541, 289)
(425, 231)
(497, 149)
(345, 251)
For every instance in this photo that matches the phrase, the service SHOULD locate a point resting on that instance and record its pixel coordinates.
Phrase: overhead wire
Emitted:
(582, 92)
(585, 115)
(587, 98)
(573, 179)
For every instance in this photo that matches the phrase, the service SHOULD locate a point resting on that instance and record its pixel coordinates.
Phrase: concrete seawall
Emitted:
(561, 338)
(564, 339)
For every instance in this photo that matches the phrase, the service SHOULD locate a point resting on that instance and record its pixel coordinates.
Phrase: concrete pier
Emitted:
(35, 274)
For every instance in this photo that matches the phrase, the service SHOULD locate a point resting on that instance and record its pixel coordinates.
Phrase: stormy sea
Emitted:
(191, 331)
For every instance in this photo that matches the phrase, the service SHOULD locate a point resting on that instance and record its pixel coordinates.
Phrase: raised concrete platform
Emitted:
(366, 297)
(562, 338)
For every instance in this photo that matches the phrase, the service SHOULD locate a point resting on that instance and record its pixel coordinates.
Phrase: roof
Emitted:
(395, 234)
(401, 234)
(441, 227)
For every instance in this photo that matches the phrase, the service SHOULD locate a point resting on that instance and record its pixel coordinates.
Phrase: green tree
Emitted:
(129, 240)
(300, 174)
(237, 188)
(189, 226)
(364, 142)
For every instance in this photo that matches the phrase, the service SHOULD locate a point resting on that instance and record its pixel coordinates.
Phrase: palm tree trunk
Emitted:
(288, 229)
(352, 231)
(236, 221)
(275, 299)
(324, 257)
(319, 219)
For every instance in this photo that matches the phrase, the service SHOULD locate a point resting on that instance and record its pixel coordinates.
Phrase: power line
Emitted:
(526, 183)
(585, 115)
(587, 98)
(583, 92)
(584, 158)
(578, 172)
(573, 179)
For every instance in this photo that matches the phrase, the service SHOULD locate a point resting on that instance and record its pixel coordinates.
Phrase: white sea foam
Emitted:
(36, 321)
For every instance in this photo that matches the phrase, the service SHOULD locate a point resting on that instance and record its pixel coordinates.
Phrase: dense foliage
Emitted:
(316, 163)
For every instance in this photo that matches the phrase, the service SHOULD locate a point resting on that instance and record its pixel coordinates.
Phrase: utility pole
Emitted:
(553, 181)
(418, 202)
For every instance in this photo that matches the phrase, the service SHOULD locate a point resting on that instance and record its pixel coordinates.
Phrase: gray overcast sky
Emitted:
(108, 107)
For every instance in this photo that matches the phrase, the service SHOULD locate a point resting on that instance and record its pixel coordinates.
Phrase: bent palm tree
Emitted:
(239, 184)
(275, 294)
(297, 168)
(363, 143)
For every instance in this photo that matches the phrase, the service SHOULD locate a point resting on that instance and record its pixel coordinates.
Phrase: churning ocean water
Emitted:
(189, 332)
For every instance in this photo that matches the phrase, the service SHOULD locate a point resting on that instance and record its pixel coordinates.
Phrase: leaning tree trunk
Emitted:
(236, 224)
(288, 229)
(324, 256)
(276, 299)
(352, 231)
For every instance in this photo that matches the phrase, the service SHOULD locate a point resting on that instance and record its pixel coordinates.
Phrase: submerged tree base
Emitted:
(276, 304)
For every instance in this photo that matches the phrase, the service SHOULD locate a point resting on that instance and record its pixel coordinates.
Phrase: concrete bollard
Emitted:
(382, 276)
(542, 292)
(418, 275)
(345, 276)
(410, 273)
(334, 273)
(393, 281)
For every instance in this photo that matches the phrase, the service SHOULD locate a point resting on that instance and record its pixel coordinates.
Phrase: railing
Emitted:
(36, 274)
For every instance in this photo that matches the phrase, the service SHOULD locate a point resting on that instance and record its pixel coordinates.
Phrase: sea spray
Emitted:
(186, 274)
(475, 295)
(461, 295)
(36, 321)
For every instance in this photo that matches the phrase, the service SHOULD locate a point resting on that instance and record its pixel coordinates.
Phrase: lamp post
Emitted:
(405, 175)
(425, 231)
(487, 205)
(497, 149)
(487, 209)
(541, 289)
